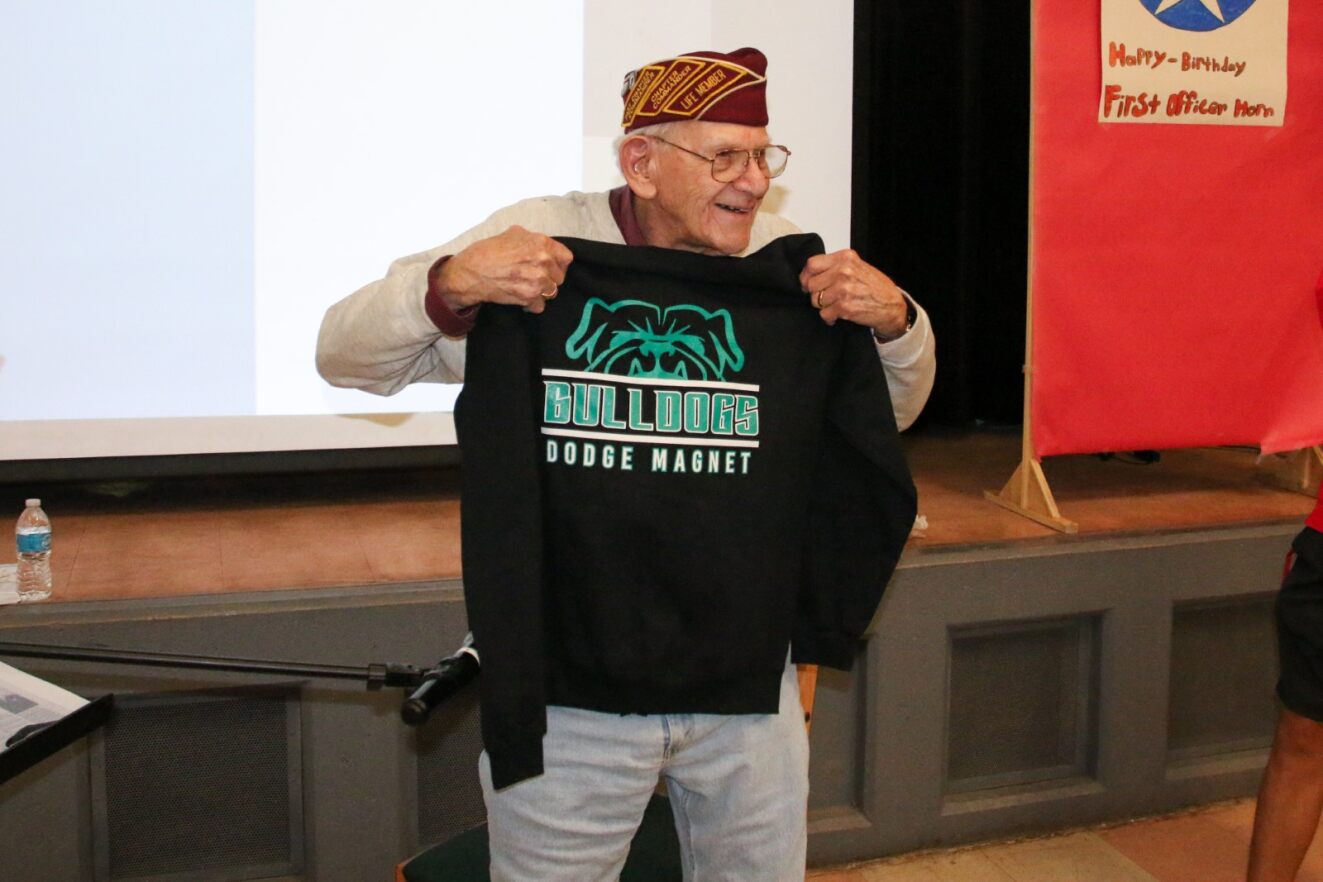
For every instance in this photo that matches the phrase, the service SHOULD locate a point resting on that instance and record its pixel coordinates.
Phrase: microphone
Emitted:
(449, 676)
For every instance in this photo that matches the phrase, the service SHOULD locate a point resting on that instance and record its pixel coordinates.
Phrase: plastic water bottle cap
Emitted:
(33, 503)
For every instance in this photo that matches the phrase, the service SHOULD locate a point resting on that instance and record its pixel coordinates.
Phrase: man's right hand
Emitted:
(517, 267)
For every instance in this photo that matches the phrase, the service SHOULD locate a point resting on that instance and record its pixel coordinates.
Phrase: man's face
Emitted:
(692, 211)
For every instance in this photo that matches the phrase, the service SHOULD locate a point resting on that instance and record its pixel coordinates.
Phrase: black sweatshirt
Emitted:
(670, 475)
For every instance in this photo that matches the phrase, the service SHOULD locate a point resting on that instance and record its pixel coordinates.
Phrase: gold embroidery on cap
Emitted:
(702, 111)
(645, 79)
(704, 90)
(686, 86)
(677, 75)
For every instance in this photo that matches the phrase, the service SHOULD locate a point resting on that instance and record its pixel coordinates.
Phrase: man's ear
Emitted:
(637, 159)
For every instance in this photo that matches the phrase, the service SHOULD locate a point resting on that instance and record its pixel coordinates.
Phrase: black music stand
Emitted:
(49, 738)
(430, 686)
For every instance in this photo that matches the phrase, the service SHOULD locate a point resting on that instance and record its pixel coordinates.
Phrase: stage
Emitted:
(1016, 680)
(212, 535)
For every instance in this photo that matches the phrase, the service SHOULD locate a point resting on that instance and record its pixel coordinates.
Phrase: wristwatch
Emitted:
(911, 316)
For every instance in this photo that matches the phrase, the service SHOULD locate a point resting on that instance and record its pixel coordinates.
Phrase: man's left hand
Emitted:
(841, 285)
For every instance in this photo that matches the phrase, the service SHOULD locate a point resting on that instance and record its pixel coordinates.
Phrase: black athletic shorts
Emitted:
(1300, 628)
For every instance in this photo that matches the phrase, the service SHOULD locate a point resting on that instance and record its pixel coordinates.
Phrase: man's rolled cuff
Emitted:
(452, 323)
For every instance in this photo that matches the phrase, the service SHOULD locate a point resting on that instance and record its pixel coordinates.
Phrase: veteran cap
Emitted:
(713, 86)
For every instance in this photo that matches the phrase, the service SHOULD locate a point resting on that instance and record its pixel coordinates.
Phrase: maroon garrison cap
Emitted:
(713, 86)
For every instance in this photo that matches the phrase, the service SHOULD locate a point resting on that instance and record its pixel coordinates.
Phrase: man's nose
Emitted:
(753, 180)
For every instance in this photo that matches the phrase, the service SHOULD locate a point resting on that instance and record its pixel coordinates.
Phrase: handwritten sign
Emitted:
(1202, 62)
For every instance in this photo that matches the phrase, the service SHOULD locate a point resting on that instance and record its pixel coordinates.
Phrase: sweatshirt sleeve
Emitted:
(861, 512)
(501, 535)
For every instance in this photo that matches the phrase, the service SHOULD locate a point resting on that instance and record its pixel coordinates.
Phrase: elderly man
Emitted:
(698, 162)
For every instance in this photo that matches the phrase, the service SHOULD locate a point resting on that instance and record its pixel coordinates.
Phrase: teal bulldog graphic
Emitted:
(640, 339)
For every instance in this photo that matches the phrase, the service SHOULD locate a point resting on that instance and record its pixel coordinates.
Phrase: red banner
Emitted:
(1174, 267)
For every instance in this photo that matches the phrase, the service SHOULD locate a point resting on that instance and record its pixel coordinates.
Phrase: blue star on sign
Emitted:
(1197, 15)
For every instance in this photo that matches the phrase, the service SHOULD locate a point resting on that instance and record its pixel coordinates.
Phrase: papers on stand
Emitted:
(8, 583)
(26, 700)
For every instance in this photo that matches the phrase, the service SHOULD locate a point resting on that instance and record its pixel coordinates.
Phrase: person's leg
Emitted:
(739, 792)
(1290, 800)
(1291, 795)
(574, 822)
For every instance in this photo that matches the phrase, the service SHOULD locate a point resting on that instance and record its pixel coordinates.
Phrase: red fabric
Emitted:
(1316, 519)
(726, 87)
(1173, 265)
(621, 200)
(1318, 292)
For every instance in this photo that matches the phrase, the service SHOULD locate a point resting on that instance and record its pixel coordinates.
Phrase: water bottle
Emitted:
(34, 553)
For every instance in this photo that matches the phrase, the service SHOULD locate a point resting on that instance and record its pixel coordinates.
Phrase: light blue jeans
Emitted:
(738, 788)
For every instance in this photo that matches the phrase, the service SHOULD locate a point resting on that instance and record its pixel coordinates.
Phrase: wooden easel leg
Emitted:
(1028, 494)
(1299, 471)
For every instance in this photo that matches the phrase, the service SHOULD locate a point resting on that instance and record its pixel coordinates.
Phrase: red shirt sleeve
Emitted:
(452, 323)
(1316, 519)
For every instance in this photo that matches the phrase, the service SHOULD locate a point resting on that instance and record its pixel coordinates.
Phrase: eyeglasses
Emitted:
(728, 165)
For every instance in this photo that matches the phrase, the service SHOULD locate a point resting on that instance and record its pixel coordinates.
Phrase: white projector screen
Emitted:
(188, 185)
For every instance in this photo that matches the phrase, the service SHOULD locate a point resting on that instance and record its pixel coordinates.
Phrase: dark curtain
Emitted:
(940, 190)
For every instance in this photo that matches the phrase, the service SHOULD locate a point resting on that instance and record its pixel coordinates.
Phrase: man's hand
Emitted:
(516, 267)
(842, 286)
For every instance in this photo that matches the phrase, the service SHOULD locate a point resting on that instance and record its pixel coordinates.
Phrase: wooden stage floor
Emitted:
(233, 534)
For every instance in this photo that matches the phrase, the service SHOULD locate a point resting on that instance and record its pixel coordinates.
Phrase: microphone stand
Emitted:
(429, 687)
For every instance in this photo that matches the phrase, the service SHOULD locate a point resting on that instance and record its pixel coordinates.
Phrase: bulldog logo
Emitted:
(640, 339)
